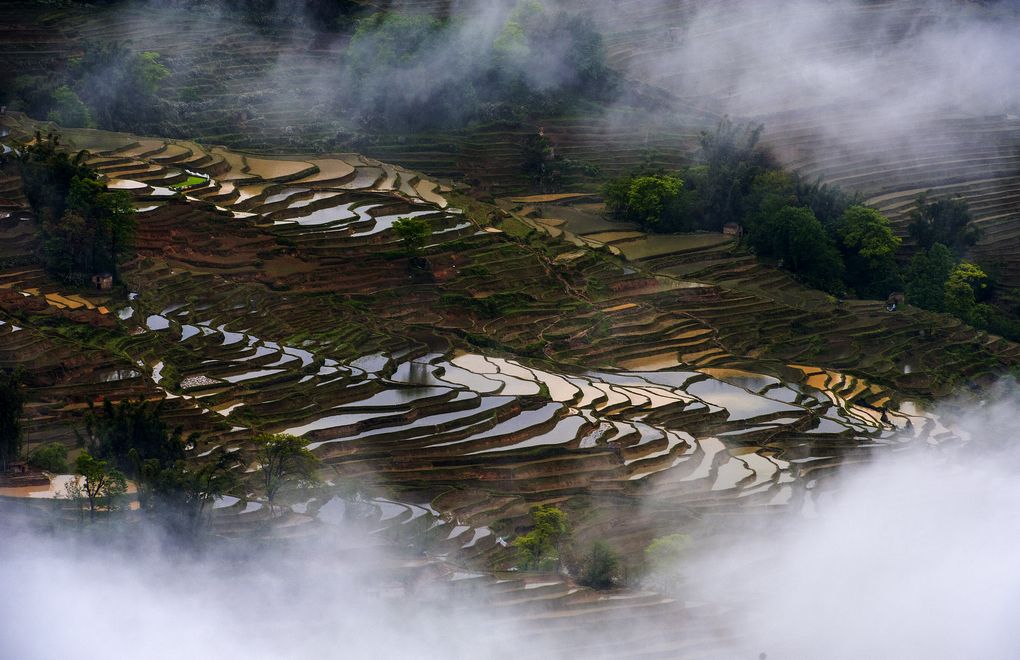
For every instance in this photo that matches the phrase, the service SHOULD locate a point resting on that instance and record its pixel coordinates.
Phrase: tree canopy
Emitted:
(85, 227)
(794, 236)
(102, 480)
(12, 401)
(413, 233)
(869, 250)
(541, 544)
(928, 273)
(283, 459)
(945, 220)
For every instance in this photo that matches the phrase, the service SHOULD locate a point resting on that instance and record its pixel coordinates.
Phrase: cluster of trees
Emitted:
(86, 228)
(547, 546)
(131, 440)
(545, 167)
(109, 86)
(821, 234)
(413, 72)
(785, 218)
(544, 548)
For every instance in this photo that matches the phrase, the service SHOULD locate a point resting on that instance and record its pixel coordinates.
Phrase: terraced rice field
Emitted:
(683, 382)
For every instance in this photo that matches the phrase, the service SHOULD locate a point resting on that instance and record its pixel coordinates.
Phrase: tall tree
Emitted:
(132, 432)
(733, 158)
(12, 401)
(946, 220)
(413, 233)
(282, 459)
(963, 286)
(101, 480)
(927, 277)
(549, 529)
(869, 249)
(796, 238)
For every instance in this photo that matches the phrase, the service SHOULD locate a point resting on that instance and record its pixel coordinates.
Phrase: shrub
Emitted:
(51, 457)
(600, 568)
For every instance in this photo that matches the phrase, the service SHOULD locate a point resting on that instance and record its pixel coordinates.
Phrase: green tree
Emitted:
(147, 71)
(181, 490)
(542, 543)
(51, 457)
(826, 201)
(771, 191)
(869, 249)
(650, 197)
(946, 221)
(615, 193)
(413, 232)
(283, 459)
(69, 110)
(926, 281)
(12, 402)
(86, 228)
(117, 84)
(136, 438)
(962, 289)
(132, 432)
(796, 238)
(733, 159)
(47, 172)
(102, 481)
(600, 568)
(664, 557)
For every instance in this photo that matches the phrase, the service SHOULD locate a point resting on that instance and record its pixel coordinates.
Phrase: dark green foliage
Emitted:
(85, 227)
(47, 173)
(542, 544)
(282, 459)
(413, 232)
(134, 438)
(795, 237)
(929, 271)
(68, 109)
(732, 159)
(12, 402)
(540, 162)
(946, 221)
(869, 250)
(600, 568)
(101, 480)
(51, 457)
(108, 84)
(133, 432)
(118, 85)
(413, 72)
(181, 490)
(827, 202)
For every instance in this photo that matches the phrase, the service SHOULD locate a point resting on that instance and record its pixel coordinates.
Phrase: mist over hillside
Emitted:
(910, 556)
(510, 329)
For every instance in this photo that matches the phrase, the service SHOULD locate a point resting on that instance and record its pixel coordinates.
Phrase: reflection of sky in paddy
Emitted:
(740, 403)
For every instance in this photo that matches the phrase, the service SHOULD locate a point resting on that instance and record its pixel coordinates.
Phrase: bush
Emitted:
(50, 457)
(600, 568)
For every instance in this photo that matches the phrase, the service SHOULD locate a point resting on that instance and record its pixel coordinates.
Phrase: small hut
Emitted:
(894, 301)
(733, 229)
(102, 281)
